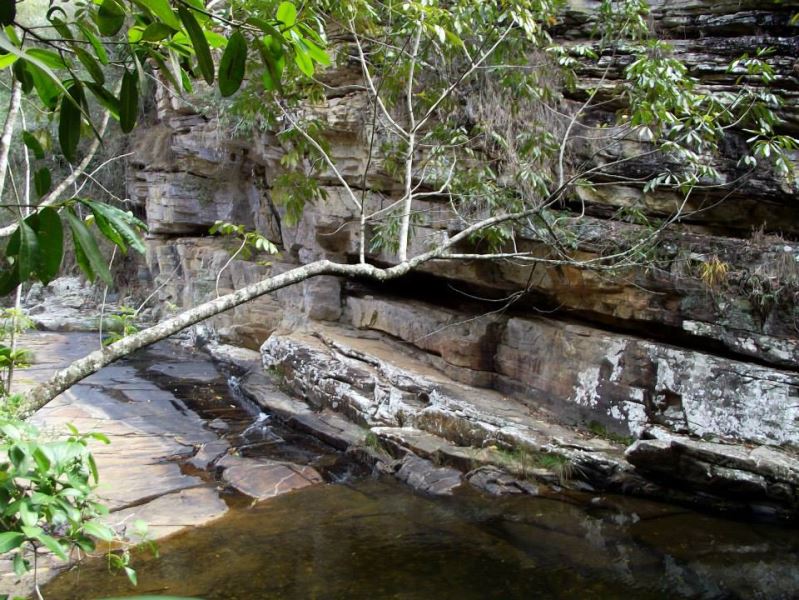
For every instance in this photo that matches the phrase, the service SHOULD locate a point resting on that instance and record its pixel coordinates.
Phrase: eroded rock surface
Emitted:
(424, 421)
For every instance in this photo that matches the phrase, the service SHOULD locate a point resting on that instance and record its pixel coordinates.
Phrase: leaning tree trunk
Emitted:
(38, 396)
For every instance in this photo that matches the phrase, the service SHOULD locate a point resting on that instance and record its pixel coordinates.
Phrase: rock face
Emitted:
(650, 348)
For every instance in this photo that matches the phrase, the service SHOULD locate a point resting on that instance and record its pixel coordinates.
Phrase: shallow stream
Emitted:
(358, 536)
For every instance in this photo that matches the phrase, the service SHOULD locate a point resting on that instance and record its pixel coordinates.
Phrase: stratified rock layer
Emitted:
(654, 346)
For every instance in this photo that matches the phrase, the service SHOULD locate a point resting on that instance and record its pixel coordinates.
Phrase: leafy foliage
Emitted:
(251, 241)
(45, 493)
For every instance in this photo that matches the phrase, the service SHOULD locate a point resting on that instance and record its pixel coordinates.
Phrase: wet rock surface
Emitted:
(173, 422)
(418, 415)
(261, 478)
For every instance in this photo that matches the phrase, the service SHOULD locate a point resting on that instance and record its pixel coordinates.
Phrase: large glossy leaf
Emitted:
(287, 15)
(37, 246)
(87, 253)
(6, 60)
(106, 99)
(22, 74)
(123, 225)
(162, 10)
(42, 181)
(10, 540)
(97, 45)
(9, 280)
(316, 53)
(48, 57)
(69, 121)
(302, 59)
(55, 81)
(33, 144)
(155, 32)
(51, 544)
(50, 235)
(28, 253)
(274, 59)
(233, 64)
(129, 101)
(197, 37)
(60, 26)
(264, 26)
(46, 88)
(110, 233)
(99, 530)
(110, 17)
(90, 63)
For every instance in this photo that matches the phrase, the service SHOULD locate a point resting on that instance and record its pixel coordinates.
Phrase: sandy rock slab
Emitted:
(261, 478)
(152, 433)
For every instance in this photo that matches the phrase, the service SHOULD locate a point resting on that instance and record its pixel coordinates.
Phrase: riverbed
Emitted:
(356, 534)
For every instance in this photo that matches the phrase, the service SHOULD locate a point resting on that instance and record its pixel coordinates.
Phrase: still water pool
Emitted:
(376, 539)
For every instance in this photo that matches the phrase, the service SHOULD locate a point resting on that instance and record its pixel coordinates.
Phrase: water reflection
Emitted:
(375, 539)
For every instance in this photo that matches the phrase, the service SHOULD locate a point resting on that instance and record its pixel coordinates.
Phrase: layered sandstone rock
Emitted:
(651, 345)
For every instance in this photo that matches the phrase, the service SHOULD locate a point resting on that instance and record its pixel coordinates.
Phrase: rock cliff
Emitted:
(653, 352)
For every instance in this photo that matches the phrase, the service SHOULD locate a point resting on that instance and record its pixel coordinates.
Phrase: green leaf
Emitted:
(26, 514)
(110, 17)
(23, 76)
(92, 66)
(232, 65)
(264, 26)
(97, 45)
(106, 99)
(48, 57)
(109, 232)
(129, 101)
(60, 26)
(98, 530)
(100, 437)
(10, 540)
(90, 260)
(7, 60)
(274, 59)
(162, 10)
(52, 80)
(197, 37)
(21, 566)
(123, 224)
(50, 235)
(287, 14)
(131, 576)
(42, 181)
(51, 544)
(28, 255)
(303, 60)
(70, 121)
(8, 12)
(47, 90)
(316, 53)
(33, 144)
(93, 467)
(155, 32)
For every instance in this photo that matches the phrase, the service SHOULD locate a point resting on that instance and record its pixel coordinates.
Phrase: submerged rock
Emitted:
(261, 478)
(499, 483)
(424, 476)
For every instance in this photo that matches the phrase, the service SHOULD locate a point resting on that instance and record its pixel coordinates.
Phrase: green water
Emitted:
(376, 539)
